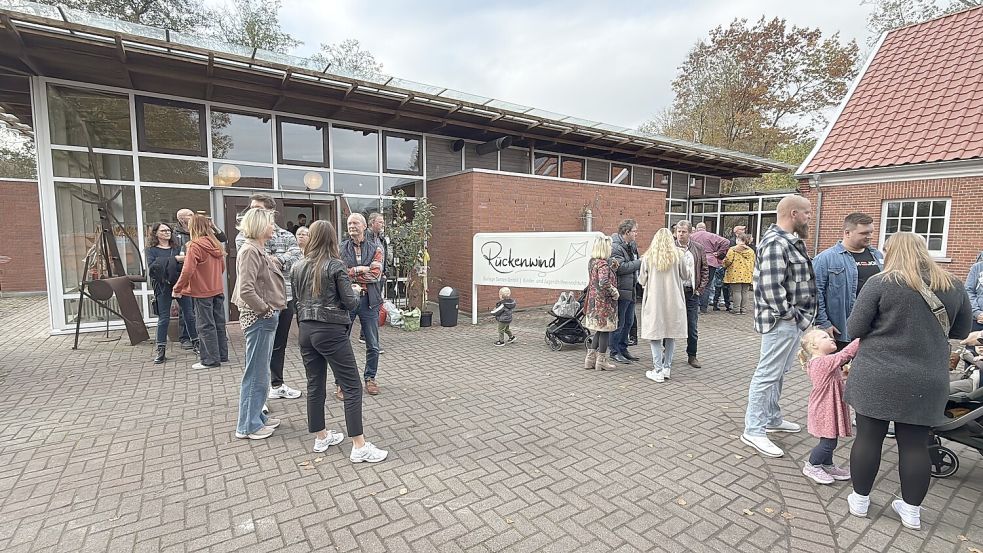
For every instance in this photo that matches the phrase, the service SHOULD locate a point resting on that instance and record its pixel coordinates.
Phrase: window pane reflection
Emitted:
(308, 181)
(355, 149)
(365, 206)
(241, 137)
(173, 171)
(403, 153)
(620, 174)
(572, 168)
(170, 127)
(410, 187)
(302, 143)
(546, 165)
(242, 176)
(356, 184)
(77, 165)
(106, 116)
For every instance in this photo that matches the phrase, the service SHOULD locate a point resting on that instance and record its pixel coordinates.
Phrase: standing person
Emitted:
(625, 254)
(301, 222)
(739, 267)
(829, 416)
(260, 296)
(662, 274)
(974, 287)
(180, 236)
(163, 266)
(503, 314)
(695, 259)
(201, 279)
(600, 305)
(377, 228)
(282, 247)
(363, 256)
(715, 247)
(903, 318)
(841, 272)
(303, 234)
(784, 307)
(325, 295)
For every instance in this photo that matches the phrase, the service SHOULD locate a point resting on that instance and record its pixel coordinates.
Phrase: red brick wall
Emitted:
(965, 224)
(20, 213)
(473, 202)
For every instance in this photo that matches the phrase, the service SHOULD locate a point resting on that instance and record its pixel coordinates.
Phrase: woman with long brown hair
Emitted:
(201, 279)
(903, 317)
(163, 263)
(325, 296)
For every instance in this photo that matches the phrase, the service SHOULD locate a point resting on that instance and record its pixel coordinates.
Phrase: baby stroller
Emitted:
(964, 411)
(567, 327)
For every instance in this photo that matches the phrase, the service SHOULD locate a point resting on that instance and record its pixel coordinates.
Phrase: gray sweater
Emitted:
(900, 372)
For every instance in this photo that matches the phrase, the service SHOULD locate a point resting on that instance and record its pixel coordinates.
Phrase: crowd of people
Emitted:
(871, 332)
(280, 275)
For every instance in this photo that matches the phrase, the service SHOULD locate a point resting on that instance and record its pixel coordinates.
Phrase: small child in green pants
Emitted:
(503, 314)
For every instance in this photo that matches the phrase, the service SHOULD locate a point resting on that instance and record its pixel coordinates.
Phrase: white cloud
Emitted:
(608, 61)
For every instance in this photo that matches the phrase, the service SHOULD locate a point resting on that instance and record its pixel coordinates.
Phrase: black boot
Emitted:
(159, 354)
(195, 346)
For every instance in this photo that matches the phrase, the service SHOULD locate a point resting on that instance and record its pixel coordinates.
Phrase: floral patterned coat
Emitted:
(601, 306)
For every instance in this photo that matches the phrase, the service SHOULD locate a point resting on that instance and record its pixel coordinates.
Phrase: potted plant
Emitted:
(409, 233)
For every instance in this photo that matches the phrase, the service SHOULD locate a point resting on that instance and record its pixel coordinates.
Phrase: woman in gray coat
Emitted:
(900, 372)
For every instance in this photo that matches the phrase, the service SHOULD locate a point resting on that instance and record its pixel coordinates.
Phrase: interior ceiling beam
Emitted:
(284, 83)
(21, 53)
(121, 56)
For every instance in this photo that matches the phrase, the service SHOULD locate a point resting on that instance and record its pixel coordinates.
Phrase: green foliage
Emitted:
(17, 157)
(891, 14)
(409, 238)
(254, 24)
(793, 154)
(348, 58)
(179, 15)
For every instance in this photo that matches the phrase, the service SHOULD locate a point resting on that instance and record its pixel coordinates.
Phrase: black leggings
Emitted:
(600, 341)
(914, 466)
(324, 346)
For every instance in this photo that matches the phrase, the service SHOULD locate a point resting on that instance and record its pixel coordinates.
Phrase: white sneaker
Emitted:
(655, 375)
(665, 372)
(785, 426)
(368, 454)
(763, 445)
(199, 366)
(260, 434)
(272, 422)
(858, 504)
(911, 515)
(283, 392)
(334, 438)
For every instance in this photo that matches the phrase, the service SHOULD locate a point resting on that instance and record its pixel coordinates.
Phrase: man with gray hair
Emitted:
(695, 258)
(362, 253)
(625, 253)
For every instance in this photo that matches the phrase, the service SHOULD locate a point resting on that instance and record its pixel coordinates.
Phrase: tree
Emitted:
(253, 24)
(178, 15)
(409, 236)
(17, 156)
(891, 14)
(793, 154)
(348, 57)
(753, 88)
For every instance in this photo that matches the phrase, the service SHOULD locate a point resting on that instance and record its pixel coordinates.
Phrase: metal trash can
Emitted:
(448, 300)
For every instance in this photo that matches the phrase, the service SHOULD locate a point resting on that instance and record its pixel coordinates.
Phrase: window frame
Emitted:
(385, 153)
(936, 254)
(377, 131)
(244, 113)
(583, 166)
(325, 136)
(203, 126)
(623, 166)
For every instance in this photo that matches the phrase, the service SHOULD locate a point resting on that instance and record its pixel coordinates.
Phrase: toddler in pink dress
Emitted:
(829, 415)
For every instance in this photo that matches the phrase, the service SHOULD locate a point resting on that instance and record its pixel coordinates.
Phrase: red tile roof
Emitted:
(920, 100)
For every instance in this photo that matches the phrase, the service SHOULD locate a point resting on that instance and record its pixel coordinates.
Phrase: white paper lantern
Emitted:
(227, 175)
(312, 180)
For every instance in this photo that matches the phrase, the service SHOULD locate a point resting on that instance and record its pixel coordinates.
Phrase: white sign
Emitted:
(554, 260)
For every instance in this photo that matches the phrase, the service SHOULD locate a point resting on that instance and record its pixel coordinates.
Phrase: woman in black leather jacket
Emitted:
(325, 296)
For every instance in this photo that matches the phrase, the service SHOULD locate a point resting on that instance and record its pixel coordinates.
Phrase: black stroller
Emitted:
(964, 411)
(567, 330)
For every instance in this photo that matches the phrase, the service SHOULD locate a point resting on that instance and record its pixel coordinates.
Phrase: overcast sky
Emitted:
(610, 61)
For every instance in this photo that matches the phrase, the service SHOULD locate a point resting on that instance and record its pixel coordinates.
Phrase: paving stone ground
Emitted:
(491, 449)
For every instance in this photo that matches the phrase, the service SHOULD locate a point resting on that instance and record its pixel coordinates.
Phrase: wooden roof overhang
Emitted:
(32, 44)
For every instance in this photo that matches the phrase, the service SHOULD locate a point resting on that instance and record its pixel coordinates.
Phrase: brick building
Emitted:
(907, 144)
(175, 122)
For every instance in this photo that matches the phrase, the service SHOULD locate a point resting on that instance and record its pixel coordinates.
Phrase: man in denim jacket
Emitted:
(841, 272)
(974, 287)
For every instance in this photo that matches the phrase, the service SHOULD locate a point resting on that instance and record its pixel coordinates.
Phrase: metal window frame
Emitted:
(325, 137)
(142, 145)
(385, 153)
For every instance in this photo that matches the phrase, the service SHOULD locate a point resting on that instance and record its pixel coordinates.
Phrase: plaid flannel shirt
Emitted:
(283, 246)
(784, 282)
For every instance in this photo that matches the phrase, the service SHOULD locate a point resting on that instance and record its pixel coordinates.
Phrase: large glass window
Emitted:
(162, 204)
(78, 226)
(412, 188)
(350, 205)
(74, 164)
(926, 218)
(572, 168)
(302, 142)
(355, 149)
(514, 160)
(74, 113)
(366, 185)
(173, 171)
(598, 171)
(242, 176)
(403, 153)
(642, 177)
(620, 174)
(170, 127)
(660, 179)
(679, 187)
(308, 181)
(242, 137)
(546, 164)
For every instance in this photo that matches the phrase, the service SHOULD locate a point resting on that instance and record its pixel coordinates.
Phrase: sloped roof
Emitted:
(919, 101)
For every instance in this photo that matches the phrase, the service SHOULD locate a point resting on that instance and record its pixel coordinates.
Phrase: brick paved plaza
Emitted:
(491, 449)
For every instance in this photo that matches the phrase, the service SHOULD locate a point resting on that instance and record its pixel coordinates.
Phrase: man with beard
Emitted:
(784, 307)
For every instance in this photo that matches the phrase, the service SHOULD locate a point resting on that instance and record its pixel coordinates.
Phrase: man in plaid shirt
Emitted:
(784, 307)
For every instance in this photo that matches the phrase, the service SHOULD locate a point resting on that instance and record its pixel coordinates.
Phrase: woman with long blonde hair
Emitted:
(201, 279)
(903, 317)
(600, 305)
(664, 305)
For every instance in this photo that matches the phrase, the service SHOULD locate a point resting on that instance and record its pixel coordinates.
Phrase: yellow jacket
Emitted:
(740, 266)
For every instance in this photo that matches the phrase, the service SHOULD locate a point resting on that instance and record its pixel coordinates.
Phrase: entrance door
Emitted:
(234, 205)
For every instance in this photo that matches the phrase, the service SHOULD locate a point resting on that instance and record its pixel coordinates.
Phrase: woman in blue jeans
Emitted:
(260, 296)
(164, 265)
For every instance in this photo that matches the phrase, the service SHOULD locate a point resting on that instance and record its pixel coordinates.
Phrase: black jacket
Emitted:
(625, 253)
(336, 300)
(182, 236)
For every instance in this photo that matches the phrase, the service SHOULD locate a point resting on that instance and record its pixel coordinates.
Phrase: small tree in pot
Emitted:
(409, 233)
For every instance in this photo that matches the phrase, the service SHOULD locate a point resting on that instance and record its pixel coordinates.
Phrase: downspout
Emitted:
(819, 213)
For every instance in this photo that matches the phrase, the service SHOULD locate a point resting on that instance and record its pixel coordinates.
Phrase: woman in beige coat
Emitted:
(664, 307)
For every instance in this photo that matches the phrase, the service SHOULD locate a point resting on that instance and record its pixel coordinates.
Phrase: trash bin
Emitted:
(447, 300)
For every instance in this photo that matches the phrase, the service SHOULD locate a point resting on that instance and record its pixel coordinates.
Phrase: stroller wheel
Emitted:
(944, 462)
(587, 342)
(553, 343)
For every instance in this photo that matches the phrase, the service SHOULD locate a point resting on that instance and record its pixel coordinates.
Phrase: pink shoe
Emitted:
(836, 472)
(816, 474)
